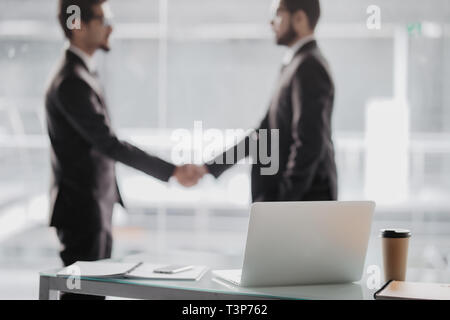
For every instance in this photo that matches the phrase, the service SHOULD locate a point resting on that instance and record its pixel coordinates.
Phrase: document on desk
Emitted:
(145, 271)
(400, 290)
(130, 270)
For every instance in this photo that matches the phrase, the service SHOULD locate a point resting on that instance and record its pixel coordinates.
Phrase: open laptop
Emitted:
(303, 243)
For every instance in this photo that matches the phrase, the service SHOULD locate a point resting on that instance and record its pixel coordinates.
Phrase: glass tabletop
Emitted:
(215, 261)
(209, 283)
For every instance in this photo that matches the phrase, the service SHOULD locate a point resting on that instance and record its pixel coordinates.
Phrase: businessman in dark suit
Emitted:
(84, 147)
(301, 109)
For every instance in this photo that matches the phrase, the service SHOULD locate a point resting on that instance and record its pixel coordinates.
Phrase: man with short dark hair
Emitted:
(301, 109)
(84, 147)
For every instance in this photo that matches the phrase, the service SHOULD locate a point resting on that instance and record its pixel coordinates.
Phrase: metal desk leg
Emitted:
(45, 292)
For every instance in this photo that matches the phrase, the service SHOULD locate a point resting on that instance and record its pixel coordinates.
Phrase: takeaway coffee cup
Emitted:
(395, 244)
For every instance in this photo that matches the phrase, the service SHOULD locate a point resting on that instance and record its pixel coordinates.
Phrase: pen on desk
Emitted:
(135, 267)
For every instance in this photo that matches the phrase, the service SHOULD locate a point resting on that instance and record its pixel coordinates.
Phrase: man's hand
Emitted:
(188, 175)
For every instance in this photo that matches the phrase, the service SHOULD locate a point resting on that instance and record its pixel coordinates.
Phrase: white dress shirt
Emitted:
(87, 59)
(294, 49)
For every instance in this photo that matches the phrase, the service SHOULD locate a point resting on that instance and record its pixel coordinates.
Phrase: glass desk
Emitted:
(210, 287)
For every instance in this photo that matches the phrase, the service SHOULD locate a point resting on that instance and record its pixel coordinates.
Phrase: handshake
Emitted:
(188, 175)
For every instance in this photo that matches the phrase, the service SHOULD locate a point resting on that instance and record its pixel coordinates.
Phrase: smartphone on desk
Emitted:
(172, 269)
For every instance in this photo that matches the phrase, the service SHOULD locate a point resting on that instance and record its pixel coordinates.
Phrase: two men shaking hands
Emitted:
(85, 148)
(188, 175)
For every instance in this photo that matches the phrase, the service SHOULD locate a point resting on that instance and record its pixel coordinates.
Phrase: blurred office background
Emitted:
(178, 61)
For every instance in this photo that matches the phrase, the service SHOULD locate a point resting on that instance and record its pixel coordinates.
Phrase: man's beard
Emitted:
(105, 47)
(288, 37)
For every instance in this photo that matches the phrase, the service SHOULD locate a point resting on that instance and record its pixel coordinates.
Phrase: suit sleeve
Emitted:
(82, 110)
(219, 164)
(310, 96)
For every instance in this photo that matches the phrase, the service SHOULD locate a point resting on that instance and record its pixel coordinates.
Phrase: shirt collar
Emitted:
(296, 47)
(88, 60)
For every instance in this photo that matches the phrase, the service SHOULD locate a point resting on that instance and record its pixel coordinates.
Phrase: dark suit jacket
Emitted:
(84, 149)
(301, 108)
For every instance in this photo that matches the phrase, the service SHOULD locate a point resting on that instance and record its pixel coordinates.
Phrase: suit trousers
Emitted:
(79, 245)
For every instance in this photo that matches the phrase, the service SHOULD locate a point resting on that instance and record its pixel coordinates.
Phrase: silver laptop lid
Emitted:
(299, 243)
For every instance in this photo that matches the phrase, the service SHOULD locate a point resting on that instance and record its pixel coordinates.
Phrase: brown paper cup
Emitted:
(395, 243)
